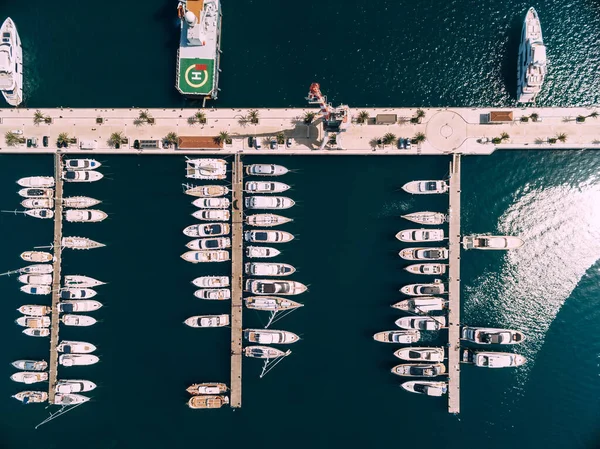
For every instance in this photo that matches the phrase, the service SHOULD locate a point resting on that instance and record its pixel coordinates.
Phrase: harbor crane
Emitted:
(335, 120)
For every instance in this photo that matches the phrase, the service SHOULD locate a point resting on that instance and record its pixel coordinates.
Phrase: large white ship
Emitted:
(531, 70)
(199, 48)
(11, 63)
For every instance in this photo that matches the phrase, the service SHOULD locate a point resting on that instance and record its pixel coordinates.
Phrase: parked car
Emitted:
(257, 144)
(45, 140)
(400, 143)
(273, 144)
(407, 143)
(288, 142)
(136, 144)
(250, 142)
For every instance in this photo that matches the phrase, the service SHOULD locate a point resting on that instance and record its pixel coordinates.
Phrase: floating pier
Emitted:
(236, 281)
(454, 288)
(56, 279)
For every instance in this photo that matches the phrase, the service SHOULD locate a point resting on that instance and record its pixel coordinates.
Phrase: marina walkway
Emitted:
(236, 281)
(454, 289)
(56, 280)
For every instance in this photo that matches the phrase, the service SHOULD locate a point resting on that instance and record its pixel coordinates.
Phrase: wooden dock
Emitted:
(454, 289)
(236, 281)
(56, 280)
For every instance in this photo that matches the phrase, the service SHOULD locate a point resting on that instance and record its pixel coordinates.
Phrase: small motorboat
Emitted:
(207, 388)
(37, 256)
(30, 365)
(263, 352)
(261, 252)
(38, 203)
(421, 235)
(37, 332)
(211, 203)
(419, 369)
(81, 281)
(207, 401)
(81, 305)
(422, 323)
(74, 386)
(69, 399)
(82, 176)
(491, 242)
(31, 397)
(208, 321)
(77, 359)
(85, 215)
(425, 187)
(36, 193)
(206, 256)
(424, 253)
(211, 281)
(34, 322)
(80, 202)
(46, 268)
(27, 377)
(78, 320)
(35, 310)
(429, 388)
(421, 305)
(82, 164)
(266, 220)
(206, 168)
(36, 181)
(210, 243)
(206, 191)
(36, 279)
(212, 215)
(265, 170)
(271, 303)
(77, 293)
(485, 359)
(75, 347)
(39, 213)
(265, 187)
(268, 236)
(36, 289)
(436, 287)
(80, 243)
(433, 269)
(217, 294)
(207, 230)
(270, 336)
(414, 354)
(273, 287)
(268, 202)
(268, 269)
(426, 218)
(491, 336)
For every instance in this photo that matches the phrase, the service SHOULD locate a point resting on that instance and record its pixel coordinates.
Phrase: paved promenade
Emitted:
(446, 130)
(237, 289)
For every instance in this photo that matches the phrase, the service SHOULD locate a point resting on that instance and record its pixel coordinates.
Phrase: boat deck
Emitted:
(236, 281)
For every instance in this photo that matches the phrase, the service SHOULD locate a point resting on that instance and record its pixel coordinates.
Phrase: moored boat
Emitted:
(206, 169)
(211, 203)
(268, 269)
(216, 294)
(273, 287)
(46, 268)
(43, 214)
(36, 182)
(421, 304)
(263, 352)
(78, 320)
(270, 336)
(414, 354)
(82, 164)
(207, 401)
(74, 386)
(419, 369)
(425, 187)
(11, 65)
(36, 289)
(75, 347)
(433, 269)
(421, 235)
(34, 322)
(491, 242)
(429, 388)
(266, 170)
(212, 215)
(426, 218)
(268, 202)
(268, 236)
(36, 193)
(211, 281)
(422, 323)
(34, 310)
(209, 243)
(81, 281)
(266, 220)
(436, 287)
(424, 253)
(80, 202)
(30, 365)
(38, 203)
(488, 359)
(207, 388)
(37, 332)
(271, 303)
(81, 305)
(80, 243)
(531, 66)
(206, 191)
(85, 215)
(261, 252)
(82, 176)
(77, 359)
(265, 187)
(207, 230)
(36, 256)
(31, 397)
(207, 321)
(69, 399)
(28, 377)
(491, 336)
(205, 256)
(77, 293)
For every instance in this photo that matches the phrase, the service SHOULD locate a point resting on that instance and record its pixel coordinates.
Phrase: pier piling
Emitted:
(236, 282)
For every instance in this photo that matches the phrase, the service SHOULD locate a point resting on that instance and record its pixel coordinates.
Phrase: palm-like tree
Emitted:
(534, 117)
(419, 138)
(504, 136)
(12, 139)
(594, 114)
(309, 116)
(63, 139)
(145, 117)
(116, 139)
(389, 139)
(562, 137)
(420, 114)
(280, 138)
(222, 137)
(171, 138)
(38, 117)
(200, 117)
(253, 116)
(363, 117)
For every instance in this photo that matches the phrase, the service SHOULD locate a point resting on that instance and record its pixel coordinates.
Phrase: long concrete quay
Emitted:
(446, 130)
(236, 281)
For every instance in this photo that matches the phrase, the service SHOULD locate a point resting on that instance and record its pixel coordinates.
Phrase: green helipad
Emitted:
(196, 76)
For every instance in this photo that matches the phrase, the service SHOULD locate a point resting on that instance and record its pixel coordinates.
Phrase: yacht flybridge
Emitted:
(421, 235)
(491, 336)
(11, 63)
(491, 242)
(531, 68)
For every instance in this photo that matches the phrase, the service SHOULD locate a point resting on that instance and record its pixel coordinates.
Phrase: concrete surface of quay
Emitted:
(447, 130)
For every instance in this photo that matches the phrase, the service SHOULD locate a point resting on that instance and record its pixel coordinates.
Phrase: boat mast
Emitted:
(269, 364)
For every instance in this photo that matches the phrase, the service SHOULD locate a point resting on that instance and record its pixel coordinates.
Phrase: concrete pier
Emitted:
(454, 289)
(56, 280)
(236, 281)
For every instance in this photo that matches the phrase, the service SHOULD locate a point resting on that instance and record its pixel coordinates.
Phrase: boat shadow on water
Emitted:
(508, 68)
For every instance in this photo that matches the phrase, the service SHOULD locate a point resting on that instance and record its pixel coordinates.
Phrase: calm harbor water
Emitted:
(335, 389)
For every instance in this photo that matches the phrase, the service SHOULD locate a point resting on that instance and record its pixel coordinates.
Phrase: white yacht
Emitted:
(81, 281)
(211, 203)
(266, 220)
(419, 369)
(491, 336)
(265, 187)
(207, 230)
(421, 235)
(33, 321)
(211, 281)
(206, 256)
(80, 243)
(11, 64)
(272, 287)
(266, 170)
(424, 253)
(425, 187)
(75, 347)
(79, 305)
(37, 332)
(270, 336)
(38, 203)
(426, 218)
(78, 320)
(77, 293)
(491, 242)
(263, 352)
(45, 268)
(209, 243)
(268, 269)
(36, 181)
(207, 388)
(34, 310)
(74, 386)
(82, 176)
(36, 256)
(31, 397)
(212, 215)
(436, 287)
(429, 388)
(406, 336)
(80, 202)
(36, 289)
(531, 68)
(85, 215)
(433, 269)
(27, 377)
(216, 294)
(486, 359)
(36, 279)
(82, 164)
(69, 399)
(422, 323)
(268, 202)
(261, 252)
(40, 213)
(268, 236)
(414, 354)
(208, 321)
(36, 193)
(271, 303)
(206, 191)
(421, 304)
(206, 169)
(30, 365)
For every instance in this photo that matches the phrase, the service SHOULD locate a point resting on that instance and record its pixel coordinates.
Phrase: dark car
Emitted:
(250, 142)
(136, 144)
(45, 141)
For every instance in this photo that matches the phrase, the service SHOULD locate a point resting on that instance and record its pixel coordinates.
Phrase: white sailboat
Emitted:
(266, 220)
(421, 304)
(38, 203)
(206, 191)
(36, 256)
(39, 213)
(36, 181)
(36, 279)
(31, 397)
(263, 352)
(81, 281)
(80, 202)
(271, 303)
(45, 268)
(426, 218)
(80, 243)
(270, 336)
(274, 287)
